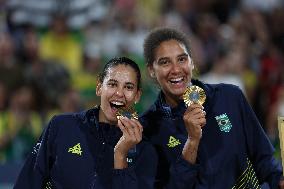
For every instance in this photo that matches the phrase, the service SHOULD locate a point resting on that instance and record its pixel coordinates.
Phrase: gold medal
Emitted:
(194, 94)
(128, 112)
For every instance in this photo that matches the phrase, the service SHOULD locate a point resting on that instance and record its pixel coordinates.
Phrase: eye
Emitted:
(129, 87)
(163, 62)
(182, 59)
(111, 84)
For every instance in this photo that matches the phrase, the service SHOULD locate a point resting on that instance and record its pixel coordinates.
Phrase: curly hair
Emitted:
(159, 35)
(120, 61)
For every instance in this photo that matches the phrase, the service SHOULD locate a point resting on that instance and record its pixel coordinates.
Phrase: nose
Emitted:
(176, 67)
(119, 91)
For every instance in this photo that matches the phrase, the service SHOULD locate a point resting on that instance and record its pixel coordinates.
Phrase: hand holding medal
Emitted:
(131, 130)
(194, 117)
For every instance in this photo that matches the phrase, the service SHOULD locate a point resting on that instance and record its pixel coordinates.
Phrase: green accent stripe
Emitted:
(48, 185)
(248, 179)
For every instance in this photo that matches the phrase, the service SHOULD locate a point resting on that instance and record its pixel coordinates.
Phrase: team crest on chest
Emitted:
(224, 122)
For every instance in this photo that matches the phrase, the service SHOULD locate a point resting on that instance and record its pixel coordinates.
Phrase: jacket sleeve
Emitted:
(124, 179)
(142, 174)
(260, 149)
(35, 171)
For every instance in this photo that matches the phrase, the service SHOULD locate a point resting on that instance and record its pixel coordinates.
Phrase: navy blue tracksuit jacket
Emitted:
(76, 151)
(234, 151)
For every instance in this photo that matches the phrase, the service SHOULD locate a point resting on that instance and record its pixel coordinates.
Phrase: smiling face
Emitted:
(172, 68)
(118, 89)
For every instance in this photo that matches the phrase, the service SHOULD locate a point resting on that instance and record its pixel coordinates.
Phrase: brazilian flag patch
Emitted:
(224, 122)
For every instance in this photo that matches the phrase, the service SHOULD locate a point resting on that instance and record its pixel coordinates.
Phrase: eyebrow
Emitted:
(183, 54)
(130, 83)
(127, 83)
(165, 58)
(112, 80)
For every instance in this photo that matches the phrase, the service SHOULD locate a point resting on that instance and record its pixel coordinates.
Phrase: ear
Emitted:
(99, 89)
(151, 71)
(138, 95)
(192, 64)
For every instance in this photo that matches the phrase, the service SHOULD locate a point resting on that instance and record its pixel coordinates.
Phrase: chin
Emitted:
(178, 92)
(111, 119)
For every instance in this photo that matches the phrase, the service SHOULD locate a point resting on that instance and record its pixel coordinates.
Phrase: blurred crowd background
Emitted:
(52, 50)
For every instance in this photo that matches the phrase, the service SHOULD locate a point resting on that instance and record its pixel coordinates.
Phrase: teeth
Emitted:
(176, 79)
(117, 103)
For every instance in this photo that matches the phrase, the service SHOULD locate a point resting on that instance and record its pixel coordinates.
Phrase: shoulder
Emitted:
(67, 121)
(221, 86)
(64, 127)
(64, 119)
(219, 89)
(227, 89)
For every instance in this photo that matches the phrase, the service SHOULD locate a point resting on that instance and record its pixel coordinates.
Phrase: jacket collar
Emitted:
(109, 133)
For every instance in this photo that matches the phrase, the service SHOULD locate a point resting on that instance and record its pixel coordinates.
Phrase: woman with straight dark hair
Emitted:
(99, 148)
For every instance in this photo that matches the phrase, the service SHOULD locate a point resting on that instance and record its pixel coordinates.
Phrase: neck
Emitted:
(103, 119)
(172, 101)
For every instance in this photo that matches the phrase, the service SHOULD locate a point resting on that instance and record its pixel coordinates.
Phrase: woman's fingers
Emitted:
(123, 128)
(195, 111)
(133, 129)
(138, 125)
(194, 119)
